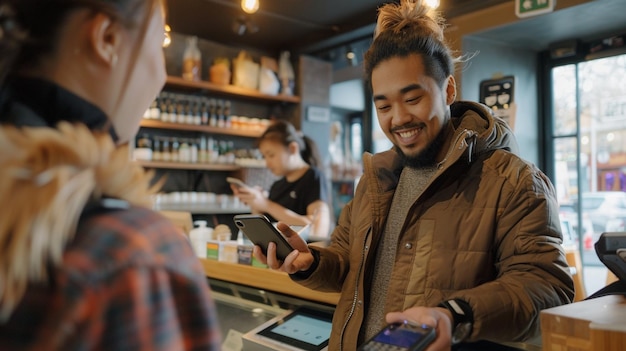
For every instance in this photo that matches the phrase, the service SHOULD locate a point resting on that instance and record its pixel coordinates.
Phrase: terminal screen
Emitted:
(305, 329)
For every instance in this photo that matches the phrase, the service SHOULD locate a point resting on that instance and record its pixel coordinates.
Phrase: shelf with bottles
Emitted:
(192, 153)
(229, 90)
(176, 111)
(202, 209)
(246, 82)
(188, 166)
(239, 164)
(158, 124)
(199, 203)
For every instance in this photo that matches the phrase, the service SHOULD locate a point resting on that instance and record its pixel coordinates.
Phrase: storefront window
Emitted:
(564, 86)
(590, 148)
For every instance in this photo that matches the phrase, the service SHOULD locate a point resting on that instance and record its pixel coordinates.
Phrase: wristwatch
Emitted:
(463, 319)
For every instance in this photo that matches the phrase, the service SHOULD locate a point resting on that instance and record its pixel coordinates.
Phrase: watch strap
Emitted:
(462, 315)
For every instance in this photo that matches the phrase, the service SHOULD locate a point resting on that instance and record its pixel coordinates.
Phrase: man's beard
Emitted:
(425, 158)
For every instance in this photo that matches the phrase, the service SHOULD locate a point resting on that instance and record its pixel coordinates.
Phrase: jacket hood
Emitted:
(47, 176)
(492, 133)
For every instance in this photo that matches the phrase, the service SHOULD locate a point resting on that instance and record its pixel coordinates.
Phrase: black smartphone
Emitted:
(401, 337)
(261, 232)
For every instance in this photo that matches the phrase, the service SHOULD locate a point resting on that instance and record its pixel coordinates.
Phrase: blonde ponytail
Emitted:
(46, 178)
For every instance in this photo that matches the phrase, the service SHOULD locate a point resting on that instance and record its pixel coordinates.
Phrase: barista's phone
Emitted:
(261, 232)
(238, 182)
(401, 337)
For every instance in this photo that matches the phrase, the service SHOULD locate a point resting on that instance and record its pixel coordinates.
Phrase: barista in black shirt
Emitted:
(300, 197)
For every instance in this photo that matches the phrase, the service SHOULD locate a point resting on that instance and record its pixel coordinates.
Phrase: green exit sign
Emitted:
(527, 8)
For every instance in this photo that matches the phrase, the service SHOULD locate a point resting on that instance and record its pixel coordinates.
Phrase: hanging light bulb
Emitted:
(351, 56)
(250, 6)
(167, 38)
(433, 4)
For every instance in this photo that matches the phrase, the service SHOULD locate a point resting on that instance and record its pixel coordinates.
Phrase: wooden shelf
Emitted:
(201, 208)
(229, 90)
(157, 124)
(189, 166)
(266, 279)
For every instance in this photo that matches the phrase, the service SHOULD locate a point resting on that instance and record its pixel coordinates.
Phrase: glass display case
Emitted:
(243, 308)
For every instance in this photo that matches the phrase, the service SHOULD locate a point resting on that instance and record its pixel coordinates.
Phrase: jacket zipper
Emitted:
(356, 291)
(462, 136)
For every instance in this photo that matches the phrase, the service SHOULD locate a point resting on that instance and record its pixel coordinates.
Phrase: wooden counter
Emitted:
(593, 325)
(266, 279)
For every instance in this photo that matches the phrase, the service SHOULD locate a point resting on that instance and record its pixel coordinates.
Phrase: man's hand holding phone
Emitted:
(401, 336)
(438, 317)
(300, 259)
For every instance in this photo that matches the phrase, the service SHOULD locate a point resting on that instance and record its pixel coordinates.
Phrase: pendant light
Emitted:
(167, 37)
(250, 6)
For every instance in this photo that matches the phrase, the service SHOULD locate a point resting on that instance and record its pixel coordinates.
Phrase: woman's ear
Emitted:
(293, 148)
(104, 38)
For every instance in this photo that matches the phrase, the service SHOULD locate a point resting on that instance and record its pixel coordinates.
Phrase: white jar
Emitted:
(199, 237)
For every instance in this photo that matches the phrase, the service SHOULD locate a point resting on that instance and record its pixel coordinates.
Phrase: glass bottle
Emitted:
(156, 149)
(202, 152)
(211, 150)
(220, 114)
(222, 147)
(172, 109)
(180, 112)
(227, 117)
(165, 113)
(286, 73)
(193, 150)
(189, 111)
(143, 149)
(192, 60)
(183, 151)
(212, 111)
(166, 152)
(174, 150)
(196, 112)
(204, 112)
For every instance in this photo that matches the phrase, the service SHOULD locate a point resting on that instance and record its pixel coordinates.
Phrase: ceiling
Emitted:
(329, 28)
(586, 22)
(304, 26)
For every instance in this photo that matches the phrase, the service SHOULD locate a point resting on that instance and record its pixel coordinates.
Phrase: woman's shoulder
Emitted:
(315, 173)
(117, 239)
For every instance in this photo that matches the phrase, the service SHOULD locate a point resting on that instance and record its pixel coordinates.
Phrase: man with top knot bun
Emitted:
(449, 228)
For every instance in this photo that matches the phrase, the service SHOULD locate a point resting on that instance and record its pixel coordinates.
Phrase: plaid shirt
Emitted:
(128, 281)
